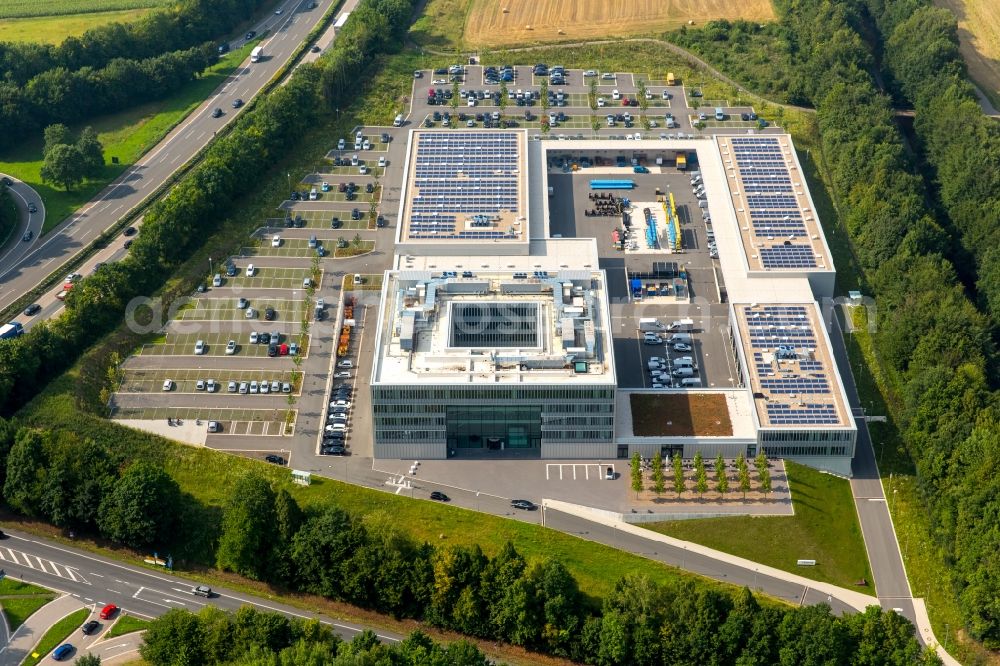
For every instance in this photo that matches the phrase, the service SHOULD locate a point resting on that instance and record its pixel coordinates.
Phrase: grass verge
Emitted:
(19, 609)
(56, 634)
(54, 29)
(126, 135)
(126, 624)
(824, 528)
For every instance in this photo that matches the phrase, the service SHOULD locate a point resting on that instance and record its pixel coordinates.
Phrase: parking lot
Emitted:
(185, 380)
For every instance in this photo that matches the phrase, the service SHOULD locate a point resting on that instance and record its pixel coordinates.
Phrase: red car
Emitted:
(108, 611)
(624, 101)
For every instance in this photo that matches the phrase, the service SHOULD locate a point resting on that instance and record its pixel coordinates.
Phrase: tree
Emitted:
(765, 482)
(760, 462)
(678, 475)
(142, 509)
(26, 472)
(744, 473)
(636, 472)
(659, 482)
(644, 121)
(92, 151)
(455, 97)
(595, 124)
(88, 660)
(701, 477)
(248, 528)
(543, 96)
(641, 96)
(55, 135)
(504, 98)
(64, 165)
(592, 94)
(722, 481)
(176, 638)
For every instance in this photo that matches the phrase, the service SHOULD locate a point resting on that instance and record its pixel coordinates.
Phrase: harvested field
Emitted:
(979, 41)
(693, 414)
(564, 20)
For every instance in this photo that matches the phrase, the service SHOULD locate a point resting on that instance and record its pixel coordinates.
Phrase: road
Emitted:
(97, 580)
(22, 272)
(23, 195)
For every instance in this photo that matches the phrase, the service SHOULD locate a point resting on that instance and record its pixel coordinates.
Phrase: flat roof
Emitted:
(465, 186)
(679, 413)
(779, 228)
(494, 327)
(792, 376)
(547, 253)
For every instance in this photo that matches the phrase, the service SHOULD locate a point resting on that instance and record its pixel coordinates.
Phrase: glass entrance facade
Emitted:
(495, 427)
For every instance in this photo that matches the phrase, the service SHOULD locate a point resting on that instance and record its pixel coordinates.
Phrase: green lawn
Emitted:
(55, 636)
(54, 29)
(126, 624)
(126, 135)
(19, 600)
(824, 528)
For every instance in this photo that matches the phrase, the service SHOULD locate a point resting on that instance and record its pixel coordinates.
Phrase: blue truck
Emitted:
(11, 330)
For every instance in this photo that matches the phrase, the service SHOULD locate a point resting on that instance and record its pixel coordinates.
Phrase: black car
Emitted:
(269, 313)
(380, 221)
(231, 269)
(440, 497)
(369, 187)
(28, 235)
(264, 338)
(355, 214)
(523, 504)
(277, 460)
(128, 243)
(251, 34)
(237, 103)
(32, 309)
(335, 223)
(315, 49)
(90, 627)
(217, 113)
(272, 351)
(440, 70)
(350, 195)
(294, 196)
(299, 222)
(744, 116)
(7, 181)
(385, 137)
(289, 222)
(32, 208)
(130, 231)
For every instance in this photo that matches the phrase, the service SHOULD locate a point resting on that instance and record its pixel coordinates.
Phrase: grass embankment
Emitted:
(54, 29)
(19, 600)
(8, 216)
(824, 528)
(55, 636)
(126, 624)
(126, 135)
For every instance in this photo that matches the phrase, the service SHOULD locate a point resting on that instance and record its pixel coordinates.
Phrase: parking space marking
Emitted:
(576, 471)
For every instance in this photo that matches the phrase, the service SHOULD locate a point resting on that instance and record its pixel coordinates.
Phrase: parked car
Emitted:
(108, 612)
(90, 627)
(62, 652)
(231, 348)
(440, 497)
(275, 460)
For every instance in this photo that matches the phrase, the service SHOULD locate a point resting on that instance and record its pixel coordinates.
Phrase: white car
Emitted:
(346, 363)
(231, 387)
(665, 94)
(275, 386)
(199, 385)
(346, 404)
(254, 388)
(276, 241)
(231, 348)
(253, 337)
(681, 347)
(168, 385)
(343, 374)
(333, 427)
(600, 101)
(590, 72)
(264, 388)
(251, 270)
(251, 313)
(199, 347)
(363, 169)
(615, 94)
(658, 385)
(656, 367)
(381, 161)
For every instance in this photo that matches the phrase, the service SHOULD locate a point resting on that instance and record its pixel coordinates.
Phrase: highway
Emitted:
(16, 248)
(98, 580)
(22, 270)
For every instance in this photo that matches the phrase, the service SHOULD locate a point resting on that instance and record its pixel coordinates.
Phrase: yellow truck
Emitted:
(682, 161)
(671, 81)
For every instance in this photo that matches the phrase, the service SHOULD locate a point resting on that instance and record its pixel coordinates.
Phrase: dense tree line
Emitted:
(8, 213)
(176, 225)
(371, 562)
(936, 344)
(111, 67)
(252, 638)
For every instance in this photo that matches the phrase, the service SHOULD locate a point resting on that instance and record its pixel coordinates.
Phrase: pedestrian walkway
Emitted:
(28, 634)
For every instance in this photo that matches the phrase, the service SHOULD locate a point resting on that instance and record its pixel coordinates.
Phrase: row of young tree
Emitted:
(937, 348)
(248, 637)
(179, 223)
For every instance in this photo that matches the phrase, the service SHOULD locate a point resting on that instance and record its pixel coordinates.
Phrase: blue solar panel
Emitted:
(788, 256)
(808, 414)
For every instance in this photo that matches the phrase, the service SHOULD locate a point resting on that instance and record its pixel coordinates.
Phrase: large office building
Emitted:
(496, 335)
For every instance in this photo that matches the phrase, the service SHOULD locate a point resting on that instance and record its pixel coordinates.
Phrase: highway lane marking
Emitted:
(174, 601)
(96, 574)
(136, 595)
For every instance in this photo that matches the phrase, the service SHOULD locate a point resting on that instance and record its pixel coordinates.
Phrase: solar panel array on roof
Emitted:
(804, 414)
(770, 198)
(788, 256)
(463, 175)
(774, 325)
